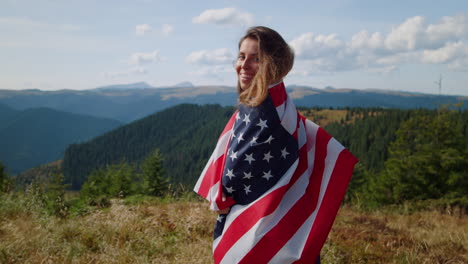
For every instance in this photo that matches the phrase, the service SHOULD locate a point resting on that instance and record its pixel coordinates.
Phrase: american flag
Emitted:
(284, 178)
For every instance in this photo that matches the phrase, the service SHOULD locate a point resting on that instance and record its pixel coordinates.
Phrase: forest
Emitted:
(405, 155)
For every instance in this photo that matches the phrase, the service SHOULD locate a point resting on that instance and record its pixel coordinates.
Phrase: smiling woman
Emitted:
(270, 176)
(264, 59)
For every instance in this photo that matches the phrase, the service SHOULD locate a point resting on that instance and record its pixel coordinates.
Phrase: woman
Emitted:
(275, 178)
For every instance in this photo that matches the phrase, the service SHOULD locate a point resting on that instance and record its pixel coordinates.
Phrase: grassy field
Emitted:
(180, 232)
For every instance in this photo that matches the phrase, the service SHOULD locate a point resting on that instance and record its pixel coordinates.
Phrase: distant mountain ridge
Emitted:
(37, 136)
(129, 102)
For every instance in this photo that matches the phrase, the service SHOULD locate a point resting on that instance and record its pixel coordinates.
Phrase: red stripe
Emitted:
(216, 168)
(211, 176)
(330, 204)
(278, 94)
(274, 240)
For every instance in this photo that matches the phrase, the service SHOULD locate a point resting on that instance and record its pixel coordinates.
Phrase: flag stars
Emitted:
(240, 137)
(249, 158)
(233, 155)
(284, 153)
(246, 119)
(267, 175)
(247, 176)
(247, 189)
(230, 174)
(269, 139)
(267, 156)
(262, 123)
(230, 189)
(220, 218)
(237, 116)
(253, 141)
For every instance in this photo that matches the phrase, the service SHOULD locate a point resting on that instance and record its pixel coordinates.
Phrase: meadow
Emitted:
(156, 230)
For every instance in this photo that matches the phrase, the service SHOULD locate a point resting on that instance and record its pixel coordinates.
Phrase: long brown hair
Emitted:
(276, 60)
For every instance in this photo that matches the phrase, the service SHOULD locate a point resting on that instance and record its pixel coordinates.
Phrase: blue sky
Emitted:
(394, 45)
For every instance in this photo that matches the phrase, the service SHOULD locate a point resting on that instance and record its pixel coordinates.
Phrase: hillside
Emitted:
(185, 134)
(130, 102)
(37, 136)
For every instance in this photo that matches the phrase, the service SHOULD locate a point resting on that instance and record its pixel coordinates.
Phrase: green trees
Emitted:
(122, 179)
(428, 160)
(154, 182)
(55, 195)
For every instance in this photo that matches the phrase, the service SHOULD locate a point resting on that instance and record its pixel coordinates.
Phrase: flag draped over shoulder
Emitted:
(284, 178)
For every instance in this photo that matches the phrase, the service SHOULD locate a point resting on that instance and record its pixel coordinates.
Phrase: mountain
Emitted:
(139, 85)
(185, 135)
(130, 102)
(6, 114)
(40, 135)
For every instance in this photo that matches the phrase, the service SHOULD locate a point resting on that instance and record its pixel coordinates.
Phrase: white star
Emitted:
(247, 189)
(220, 218)
(230, 174)
(284, 153)
(247, 176)
(249, 158)
(269, 139)
(262, 123)
(246, 119)
(230, 189)
(233, 155)
(254, 141)
(240, 138)
(267, 175)
(267, 156)
(237, 116)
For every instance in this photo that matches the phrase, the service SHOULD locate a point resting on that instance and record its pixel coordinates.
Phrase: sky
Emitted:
(395, 45)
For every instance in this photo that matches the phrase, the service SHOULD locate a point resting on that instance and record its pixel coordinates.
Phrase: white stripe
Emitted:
(301, 135)
(218, 152)
(212, 195)
(311, 134)
(292, 250)
(289, 119)
(280, 110)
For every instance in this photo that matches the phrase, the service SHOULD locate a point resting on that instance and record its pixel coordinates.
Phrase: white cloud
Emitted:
(225, 16)
(310, 46)
(449, 29)
(363, 42)
(413, 41)
(143, 29)
(407, 36)
(445, 54)
(140, 58)
(210, 57)
(167, 29)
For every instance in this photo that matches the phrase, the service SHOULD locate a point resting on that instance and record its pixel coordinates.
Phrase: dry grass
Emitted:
(180, 232)
(324, 117)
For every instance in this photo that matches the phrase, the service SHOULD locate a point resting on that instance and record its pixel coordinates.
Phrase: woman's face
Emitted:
(247, 62)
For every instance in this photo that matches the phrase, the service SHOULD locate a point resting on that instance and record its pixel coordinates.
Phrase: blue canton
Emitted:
(260, 152)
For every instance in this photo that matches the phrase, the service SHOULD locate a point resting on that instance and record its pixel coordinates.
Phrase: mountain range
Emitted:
(130, 102)
(35, 136)
(37, 126)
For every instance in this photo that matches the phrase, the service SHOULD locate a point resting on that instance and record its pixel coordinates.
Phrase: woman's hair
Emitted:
(276, 60)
